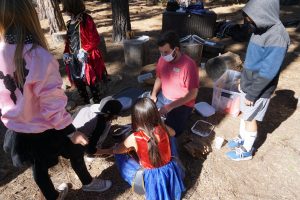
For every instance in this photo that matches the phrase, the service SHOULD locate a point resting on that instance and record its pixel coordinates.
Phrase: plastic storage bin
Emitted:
(226, 96)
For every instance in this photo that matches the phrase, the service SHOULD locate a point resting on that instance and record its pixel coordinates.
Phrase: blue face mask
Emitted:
(169, 57)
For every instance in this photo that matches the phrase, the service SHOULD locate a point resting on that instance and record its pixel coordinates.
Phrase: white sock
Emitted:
(249, 140)
(242, 129)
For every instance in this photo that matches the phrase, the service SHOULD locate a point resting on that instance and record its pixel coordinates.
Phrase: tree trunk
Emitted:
(50, 9)
(121, 19)
(41, 9)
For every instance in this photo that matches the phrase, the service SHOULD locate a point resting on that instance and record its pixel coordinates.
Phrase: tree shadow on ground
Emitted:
(281, 107)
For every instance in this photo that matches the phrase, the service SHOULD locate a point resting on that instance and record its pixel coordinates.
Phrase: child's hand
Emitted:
(103, 151)
(67, 58)
(79, 138)
(248, 102)
(82, 55)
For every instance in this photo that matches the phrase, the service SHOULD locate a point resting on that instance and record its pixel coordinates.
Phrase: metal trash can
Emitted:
(136, 51)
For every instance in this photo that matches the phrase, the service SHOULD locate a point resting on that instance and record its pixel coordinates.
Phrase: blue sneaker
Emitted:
(235, 142)
(239, 154)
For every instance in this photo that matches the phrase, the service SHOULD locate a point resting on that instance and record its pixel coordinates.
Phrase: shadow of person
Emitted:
(194, 149)
(281, 107)
(119, 186)
(193, 152)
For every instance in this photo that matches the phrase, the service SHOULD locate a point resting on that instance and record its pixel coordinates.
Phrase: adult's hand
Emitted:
(154, 98)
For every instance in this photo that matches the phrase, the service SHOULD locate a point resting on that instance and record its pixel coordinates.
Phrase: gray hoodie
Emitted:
(266, 50)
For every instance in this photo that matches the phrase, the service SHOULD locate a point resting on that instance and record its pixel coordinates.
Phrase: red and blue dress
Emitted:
(164, 182)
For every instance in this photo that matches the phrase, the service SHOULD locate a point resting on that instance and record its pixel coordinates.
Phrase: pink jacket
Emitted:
(41, 104)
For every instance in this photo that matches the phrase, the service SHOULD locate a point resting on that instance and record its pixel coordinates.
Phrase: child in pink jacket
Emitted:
(32, 102)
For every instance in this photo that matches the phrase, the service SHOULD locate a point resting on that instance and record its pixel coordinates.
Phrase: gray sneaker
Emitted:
(97, 185)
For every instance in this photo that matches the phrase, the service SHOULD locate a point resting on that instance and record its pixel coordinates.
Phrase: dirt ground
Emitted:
(274, 171)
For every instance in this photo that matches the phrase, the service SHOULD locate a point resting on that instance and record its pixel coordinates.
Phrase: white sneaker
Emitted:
(89, 158)
(97, 185)
(63, 190)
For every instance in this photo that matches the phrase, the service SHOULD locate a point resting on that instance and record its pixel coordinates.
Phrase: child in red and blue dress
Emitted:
(152, 140)
(84, 62)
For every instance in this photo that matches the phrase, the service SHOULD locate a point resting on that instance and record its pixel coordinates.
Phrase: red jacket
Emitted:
(90, 41)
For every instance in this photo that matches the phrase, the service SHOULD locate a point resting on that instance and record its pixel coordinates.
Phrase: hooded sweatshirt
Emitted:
(266, 50)
(40, 104)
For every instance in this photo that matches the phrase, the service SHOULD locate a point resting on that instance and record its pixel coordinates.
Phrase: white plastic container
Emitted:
(226, 96)
(205, 109)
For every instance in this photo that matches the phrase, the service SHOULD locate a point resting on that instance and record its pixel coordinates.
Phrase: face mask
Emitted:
(169, 57)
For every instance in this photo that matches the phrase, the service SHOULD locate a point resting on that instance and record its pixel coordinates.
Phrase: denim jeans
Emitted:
(177, 117)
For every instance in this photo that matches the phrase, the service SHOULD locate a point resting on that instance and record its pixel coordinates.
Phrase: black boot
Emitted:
(81, 87)
(95, 94)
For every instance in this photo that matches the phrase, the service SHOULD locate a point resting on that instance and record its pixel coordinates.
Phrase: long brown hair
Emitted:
(146, 117)
(20, 17)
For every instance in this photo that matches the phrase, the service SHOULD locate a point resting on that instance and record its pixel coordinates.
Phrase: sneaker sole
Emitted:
(102, 190)
(241, 159)
(234, 146)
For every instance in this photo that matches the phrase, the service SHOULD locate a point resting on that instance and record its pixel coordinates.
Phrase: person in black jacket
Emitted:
(95, 121)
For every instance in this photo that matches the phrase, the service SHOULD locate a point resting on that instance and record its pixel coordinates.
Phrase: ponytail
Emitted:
(154, 155)
(146, 117)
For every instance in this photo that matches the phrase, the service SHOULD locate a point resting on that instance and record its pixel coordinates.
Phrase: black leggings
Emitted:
(42, 151)
(42, 178)
(96, 134)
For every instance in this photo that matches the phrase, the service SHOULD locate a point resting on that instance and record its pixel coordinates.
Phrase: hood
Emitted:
(264, 13)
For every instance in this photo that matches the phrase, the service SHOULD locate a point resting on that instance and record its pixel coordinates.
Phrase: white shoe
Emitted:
(97, 185)
(89, 159)
(63, 190)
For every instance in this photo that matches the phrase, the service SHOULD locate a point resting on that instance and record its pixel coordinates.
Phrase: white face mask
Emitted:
(169, 57)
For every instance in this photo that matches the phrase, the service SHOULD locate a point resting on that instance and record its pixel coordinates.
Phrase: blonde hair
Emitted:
(20, 17)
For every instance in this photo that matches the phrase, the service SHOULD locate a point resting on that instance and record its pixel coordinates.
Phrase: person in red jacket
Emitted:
(82, 57)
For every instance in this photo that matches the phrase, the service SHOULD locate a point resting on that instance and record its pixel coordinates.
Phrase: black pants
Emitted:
(42, 151)
(42, 179)
(82, 90)
(94, 138)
